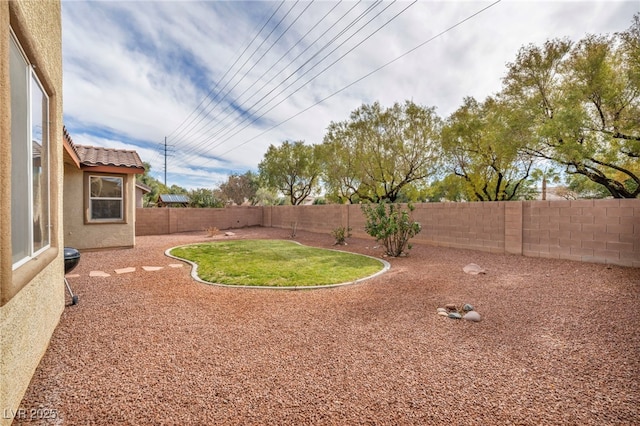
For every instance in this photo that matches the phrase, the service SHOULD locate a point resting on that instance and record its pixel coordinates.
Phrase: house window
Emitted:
(30, 220)
(106, 198)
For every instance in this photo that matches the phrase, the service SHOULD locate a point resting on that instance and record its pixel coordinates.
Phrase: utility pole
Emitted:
(166, 152)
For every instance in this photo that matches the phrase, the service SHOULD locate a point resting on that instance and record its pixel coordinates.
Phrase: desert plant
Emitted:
(211, 231)
(341, 234)
(391, 226)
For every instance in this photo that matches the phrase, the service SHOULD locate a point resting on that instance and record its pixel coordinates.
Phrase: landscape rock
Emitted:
(472, 316)
(441, 310)
(444, 314)
(229, 234)
(467, 307)
(473, 269)
(451, 307)
(454, 315)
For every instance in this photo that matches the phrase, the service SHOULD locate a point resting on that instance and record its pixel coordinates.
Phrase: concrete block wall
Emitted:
(601, 231)
(479, 226)
(160, 221)
(471, 225)
(152, 221)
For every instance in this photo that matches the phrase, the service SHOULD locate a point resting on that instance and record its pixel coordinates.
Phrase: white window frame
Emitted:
(123, 182)
(32, 78)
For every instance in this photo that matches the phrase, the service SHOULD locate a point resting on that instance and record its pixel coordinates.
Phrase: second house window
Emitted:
(106, 198)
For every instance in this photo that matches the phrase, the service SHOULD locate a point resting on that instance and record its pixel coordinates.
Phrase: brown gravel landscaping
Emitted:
(559, 343)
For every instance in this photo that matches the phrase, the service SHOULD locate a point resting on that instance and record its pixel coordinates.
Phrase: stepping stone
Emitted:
(125, 270)
(98, 274)
(152, 268)
(176, 265)
(72, 275)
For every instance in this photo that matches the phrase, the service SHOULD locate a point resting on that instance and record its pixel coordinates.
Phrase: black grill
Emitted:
(71, 260)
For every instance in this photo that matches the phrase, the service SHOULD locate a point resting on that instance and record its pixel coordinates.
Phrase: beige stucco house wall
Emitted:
(141, 190)
(88, 223)
(32, 295)
(79, 232)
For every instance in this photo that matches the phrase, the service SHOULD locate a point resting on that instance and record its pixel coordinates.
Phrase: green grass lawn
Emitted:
(275, 263)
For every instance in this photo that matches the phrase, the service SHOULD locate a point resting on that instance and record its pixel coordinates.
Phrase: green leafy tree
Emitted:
(582, 101)
(177, 189)
(391, 225)
(266, 197)
(581, 187)
(203, 197)
(378, 152)
(240, 188)
(156, 186)
(483, 145)
(449, 188)
(292, 168)
(338, 155)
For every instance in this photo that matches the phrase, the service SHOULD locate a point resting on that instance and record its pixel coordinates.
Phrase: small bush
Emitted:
(211, 231)
(391, 226)
(341, 234)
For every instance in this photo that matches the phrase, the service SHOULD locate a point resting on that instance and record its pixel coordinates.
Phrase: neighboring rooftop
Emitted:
(173, 199)
(145, 188)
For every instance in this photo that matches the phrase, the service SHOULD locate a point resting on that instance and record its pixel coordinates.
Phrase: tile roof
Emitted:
(98, 156)
(93, 156)
(70, 148)
(67, 138)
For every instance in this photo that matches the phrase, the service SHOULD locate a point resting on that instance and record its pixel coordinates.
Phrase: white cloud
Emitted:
(137, 70)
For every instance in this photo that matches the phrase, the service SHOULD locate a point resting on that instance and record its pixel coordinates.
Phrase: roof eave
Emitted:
(69, 150)
(100, 168)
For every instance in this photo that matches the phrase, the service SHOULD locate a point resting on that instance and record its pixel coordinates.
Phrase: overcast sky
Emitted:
(222, 80)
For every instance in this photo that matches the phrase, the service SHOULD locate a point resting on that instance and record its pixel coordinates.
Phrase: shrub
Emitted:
(211, 231)
(341, 234)
(391, 226)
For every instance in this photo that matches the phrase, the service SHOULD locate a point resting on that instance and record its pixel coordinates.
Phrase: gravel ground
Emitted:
(559, 343)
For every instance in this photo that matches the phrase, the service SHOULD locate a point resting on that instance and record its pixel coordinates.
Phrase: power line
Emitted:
(213, 123)
(342, 32)
(352, 83)
(228, 70)
(245, 62)
(364, 76)
(198, 108)
(311, 79)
